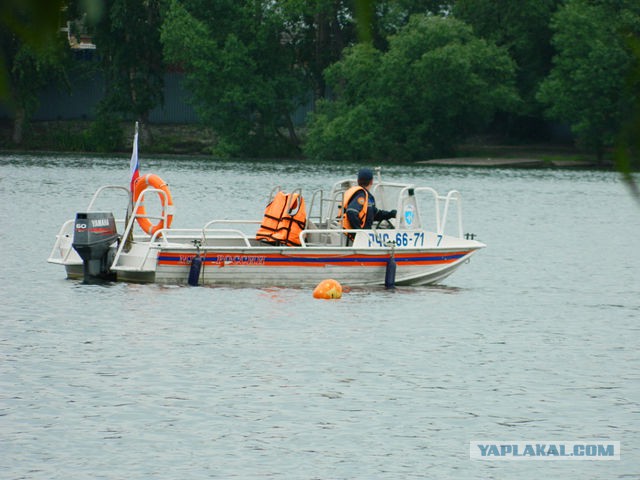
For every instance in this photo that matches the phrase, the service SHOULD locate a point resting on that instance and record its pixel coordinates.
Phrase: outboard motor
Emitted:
(94, 233)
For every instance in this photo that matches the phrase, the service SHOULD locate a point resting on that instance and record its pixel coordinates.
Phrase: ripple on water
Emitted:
(535, 339)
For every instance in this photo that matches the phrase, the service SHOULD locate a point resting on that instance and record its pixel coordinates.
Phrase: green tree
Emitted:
(436, 84)
(350, 126)
(388, 17)
(32, 56)
(127, 38)
(586, 87)
(33, 23)
(627, 151)
(523, 28)
(318, 32)
(242, 70)
(279, 51)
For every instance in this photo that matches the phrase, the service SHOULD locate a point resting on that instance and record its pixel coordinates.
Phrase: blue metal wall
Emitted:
(87, 89)
(82, 100)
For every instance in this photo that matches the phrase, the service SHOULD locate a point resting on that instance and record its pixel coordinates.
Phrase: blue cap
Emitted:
(365, 175)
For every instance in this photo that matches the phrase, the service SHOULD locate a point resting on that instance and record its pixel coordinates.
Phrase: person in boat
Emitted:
(360, 206)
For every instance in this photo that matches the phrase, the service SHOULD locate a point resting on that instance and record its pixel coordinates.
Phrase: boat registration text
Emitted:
(401, 239)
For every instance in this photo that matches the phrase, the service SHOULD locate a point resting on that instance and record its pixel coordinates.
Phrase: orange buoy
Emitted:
(328, 289)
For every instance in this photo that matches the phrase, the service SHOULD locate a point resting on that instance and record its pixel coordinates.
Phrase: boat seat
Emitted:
(321, 238)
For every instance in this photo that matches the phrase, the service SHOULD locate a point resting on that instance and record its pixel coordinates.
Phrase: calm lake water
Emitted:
(536, 339)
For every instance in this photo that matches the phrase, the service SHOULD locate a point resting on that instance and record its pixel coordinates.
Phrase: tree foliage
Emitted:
(587, 86)
(31, 57)
(29, 23)
(435, 84)
(389, 79)
(523, 28)
(251, 64)
(241, 70)
(127, 36)
(627, 152)
(318, 32)
(30, 69)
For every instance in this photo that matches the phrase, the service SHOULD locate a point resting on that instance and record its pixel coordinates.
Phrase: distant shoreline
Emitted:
(508, 162)
(443, 162)
(192, 140)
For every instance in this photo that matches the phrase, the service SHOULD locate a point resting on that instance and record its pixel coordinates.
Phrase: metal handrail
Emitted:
(312, 203)
(453, 195)
(441, 213)
(56, 246)
(103, 188)
(230, 222)
(436, 198)
(129, 228)
(166, 234)
(243, 235)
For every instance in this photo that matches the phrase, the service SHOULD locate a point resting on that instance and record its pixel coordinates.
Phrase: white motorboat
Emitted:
(412, 249)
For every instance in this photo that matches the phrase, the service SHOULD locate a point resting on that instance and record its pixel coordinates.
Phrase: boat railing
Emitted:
(240, 234)
(166, 211)
(65, 233)
(386, 192)
(165, 236)
(396, 194)
(441, 212)
(317, 197)
(168, 237)
(335, 200)
(121, 223)
(132, 218)
(60, 253)
(104, 188)
(330, 204)
(453, 196)
(273, 192)
(228, 222)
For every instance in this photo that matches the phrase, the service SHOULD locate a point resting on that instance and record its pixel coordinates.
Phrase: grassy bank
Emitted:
(86, 136)
(543, 153)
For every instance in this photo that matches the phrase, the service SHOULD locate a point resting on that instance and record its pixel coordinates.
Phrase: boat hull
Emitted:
(245, 268)
(293, 268)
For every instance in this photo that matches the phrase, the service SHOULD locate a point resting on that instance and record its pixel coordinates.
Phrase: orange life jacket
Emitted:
(292, 223)
(272, 215)
(282, 225)
(346, 198)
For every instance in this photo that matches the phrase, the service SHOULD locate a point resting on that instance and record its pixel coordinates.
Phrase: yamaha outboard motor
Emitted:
(93, 236)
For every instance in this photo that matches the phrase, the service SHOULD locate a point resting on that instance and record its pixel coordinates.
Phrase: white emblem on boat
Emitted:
(408, 214)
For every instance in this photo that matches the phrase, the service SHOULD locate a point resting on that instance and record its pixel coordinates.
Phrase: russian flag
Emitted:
(135, 166)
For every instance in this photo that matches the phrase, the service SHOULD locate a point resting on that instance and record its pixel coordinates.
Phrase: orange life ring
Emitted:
(154, 181)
